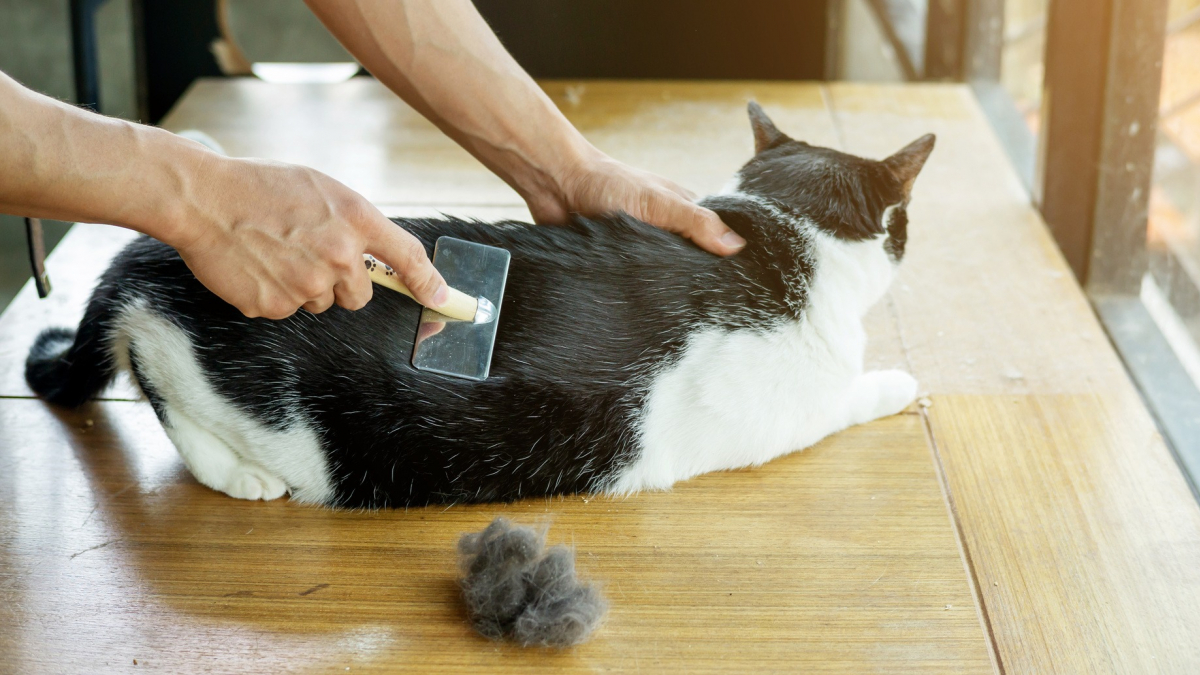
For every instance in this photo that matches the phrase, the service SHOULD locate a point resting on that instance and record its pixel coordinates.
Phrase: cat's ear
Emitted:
(766, 136)
(906, 164)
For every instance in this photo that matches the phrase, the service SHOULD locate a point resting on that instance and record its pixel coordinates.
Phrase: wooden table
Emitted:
(1029, 520)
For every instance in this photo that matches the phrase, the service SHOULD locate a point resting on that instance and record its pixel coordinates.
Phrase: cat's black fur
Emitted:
(591, 311)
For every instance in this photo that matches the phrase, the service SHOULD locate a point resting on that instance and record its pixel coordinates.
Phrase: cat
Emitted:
(627, 359)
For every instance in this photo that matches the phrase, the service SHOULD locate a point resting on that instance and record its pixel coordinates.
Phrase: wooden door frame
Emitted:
(1103, 73)
(1089, 172)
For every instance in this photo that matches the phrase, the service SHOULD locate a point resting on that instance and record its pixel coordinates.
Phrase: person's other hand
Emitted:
(601, 185)
(269, 238)
(445, 61)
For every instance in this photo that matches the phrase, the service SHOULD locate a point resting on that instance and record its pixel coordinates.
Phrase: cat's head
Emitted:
(848, 197)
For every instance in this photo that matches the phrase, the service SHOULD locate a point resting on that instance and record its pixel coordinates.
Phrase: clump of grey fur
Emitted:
(514, 589)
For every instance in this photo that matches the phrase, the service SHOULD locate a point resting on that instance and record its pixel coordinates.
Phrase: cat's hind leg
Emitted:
(158, 355)
(215, 464)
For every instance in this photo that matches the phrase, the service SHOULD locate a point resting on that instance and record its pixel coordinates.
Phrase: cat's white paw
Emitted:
(897, 389)
(251, 482)
(880, 393)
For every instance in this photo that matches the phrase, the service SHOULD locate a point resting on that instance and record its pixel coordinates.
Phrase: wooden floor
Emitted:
(1028, 519)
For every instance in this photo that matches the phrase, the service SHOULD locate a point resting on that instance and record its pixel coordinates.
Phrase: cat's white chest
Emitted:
(742, 397)
(739, 398)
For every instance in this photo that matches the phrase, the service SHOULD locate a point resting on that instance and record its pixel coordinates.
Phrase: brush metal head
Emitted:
(463, 348)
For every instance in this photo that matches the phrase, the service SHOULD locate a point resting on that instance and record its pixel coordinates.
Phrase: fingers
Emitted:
(672, 212)
(658, 201)
(355, 290)
(309, 258)
(682, 191)
(275, 309)
(713, 235)
(318, 305)
(395, 246)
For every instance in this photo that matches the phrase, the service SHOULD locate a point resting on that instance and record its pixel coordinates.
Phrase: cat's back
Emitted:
(593, 301)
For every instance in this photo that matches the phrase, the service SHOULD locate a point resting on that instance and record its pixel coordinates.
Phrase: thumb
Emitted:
(398, 248)
(699, 224)
(715, 236)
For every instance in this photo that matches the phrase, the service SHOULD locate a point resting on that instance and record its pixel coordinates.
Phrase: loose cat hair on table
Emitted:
(627, 359)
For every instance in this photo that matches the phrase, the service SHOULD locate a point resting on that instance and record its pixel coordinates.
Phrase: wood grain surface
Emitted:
(1081, 531)
(1082, 541)
(1029, 520)
(839, 559)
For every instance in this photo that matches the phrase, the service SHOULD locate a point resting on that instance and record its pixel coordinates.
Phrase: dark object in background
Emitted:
(671, 39)
(84, 56)
(174, 37)
(668, 39)
(36, 241)
(514, 589)
(172, 41)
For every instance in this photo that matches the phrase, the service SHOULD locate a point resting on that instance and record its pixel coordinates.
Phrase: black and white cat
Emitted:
(627, 359)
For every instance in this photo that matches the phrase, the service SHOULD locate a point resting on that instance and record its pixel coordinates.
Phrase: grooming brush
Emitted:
(458, 338)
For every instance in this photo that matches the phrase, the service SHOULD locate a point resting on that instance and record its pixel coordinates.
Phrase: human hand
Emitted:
(269, 238)
(265, 237)
(601, 184)
(445, 61)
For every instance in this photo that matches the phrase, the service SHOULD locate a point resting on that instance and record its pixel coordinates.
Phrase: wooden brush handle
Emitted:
(460, 306)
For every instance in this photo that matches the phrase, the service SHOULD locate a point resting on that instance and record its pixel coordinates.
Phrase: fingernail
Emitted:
(441, 295)
(732, 240)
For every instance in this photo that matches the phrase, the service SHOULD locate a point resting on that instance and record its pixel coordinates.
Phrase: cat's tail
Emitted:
(68, 367)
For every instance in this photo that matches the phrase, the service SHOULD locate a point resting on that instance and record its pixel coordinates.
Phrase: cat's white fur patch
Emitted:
(225, 448)
(743, 397)
(887, 215)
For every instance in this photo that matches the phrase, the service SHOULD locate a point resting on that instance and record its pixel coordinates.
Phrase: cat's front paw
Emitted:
(880, 393)
(897, 389)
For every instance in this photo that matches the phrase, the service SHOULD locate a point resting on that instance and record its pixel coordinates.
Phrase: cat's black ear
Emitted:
(907, 163)
(766, 136)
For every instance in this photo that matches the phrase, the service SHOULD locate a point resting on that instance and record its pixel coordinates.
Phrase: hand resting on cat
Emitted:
(627, 359)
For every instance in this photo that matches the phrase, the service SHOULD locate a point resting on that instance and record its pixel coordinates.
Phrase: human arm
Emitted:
(441, 57)
(266, 237)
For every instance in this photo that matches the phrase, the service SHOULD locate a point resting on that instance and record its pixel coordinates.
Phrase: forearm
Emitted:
(64, 163)
(441, 57)
(266, 237)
